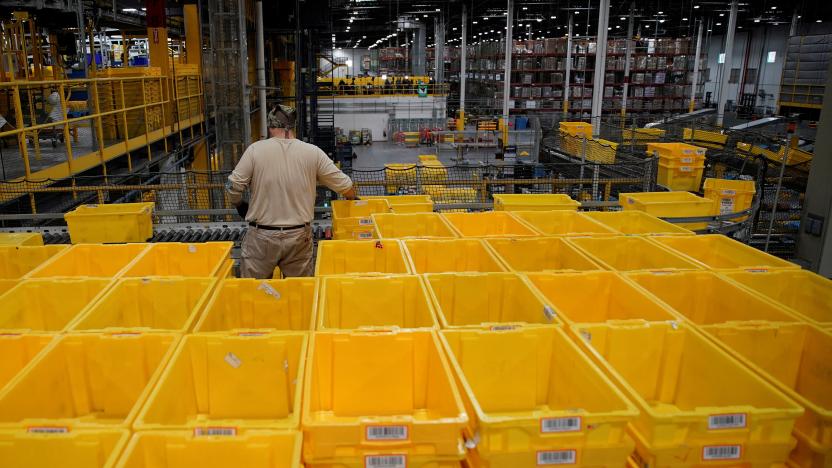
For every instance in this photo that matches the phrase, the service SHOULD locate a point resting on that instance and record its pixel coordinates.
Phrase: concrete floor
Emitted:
(11, 161)
(376, 155)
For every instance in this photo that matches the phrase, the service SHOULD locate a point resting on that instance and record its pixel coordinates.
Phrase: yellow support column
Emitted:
(193, 45)
(157, 40)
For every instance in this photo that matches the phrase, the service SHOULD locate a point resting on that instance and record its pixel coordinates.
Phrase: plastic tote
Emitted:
(805, 294)
(118, 222)
(676, 176)
(598, 297)
(632, 253)
(251, 305)
(175, 449)
(16, 261)
(48, 305)
(490, 300)
(541, 254)
(351, 218)
(535, 398)
(227, 383)
(162, 304)
(637, 223)
(534, 202)
(338, 257)
(487, 224)
(21, 238)
(698, 404)
(94, 260)
(403, 204)
(791, 356)
(86, 381)
(7, 284)
(415, 225)
(706, 298)
(718, 252)
(730, 196)
(18, 351)
(78, 449)
(180, 259)
(563, 223)
(377, 302)
(670, 205)
(450, 255)
(379, 391)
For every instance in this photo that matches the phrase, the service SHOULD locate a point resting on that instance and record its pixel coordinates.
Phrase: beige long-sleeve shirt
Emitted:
(282, 175)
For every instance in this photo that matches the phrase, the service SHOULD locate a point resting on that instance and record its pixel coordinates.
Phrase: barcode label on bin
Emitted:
(215, 431)
(560, 424)
(47, 429)
(686, 160)
(557, 457)
(386, 432)
(365, 221)
(722, 452)
(385, 461)
(365, 235)
(686, 169)
(726, 421)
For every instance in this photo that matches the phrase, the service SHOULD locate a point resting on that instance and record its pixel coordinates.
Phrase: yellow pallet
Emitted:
(692, 395)
(450, 255)
(87, 381)
(337, 257)
(380, 391)
(247, 305)
(81, 449)
(540, 254)
(118, 222)
(520, 419)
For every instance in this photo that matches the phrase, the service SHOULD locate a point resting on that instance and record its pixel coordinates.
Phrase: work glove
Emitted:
(242, 209)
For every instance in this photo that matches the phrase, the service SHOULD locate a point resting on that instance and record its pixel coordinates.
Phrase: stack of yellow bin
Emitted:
(680, 165)
(351, 218)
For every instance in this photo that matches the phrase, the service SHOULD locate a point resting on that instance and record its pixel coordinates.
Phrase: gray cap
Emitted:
(282, 117)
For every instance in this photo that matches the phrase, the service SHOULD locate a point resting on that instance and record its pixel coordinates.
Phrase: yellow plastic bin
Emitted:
(641, 135)
(406, 203)
(383, 256)
(576, 128)
(637, 223)
(179, 259)
(377, 391)
(534, 202)
(705, 137)
(450, 255)
(670, 205)
(16, 261)
(351, 218)
(563, 223)
(149, 304)
(409, 457)
(248, 305)
(92, 260)
(21, 238)
(679, 176)
(730, 196)
(427, 157)
(541, 254)
(597, 297)
(805, 294)
(178, 449)
(522, 417)
(224, 384)
(118, 222)
(697, 403)
(398, 175)
(631, 253)
(443, 194)
(415, 225)
(789, 356)
(7, 284)
(433, 171)
(374, 302)
(18, 351)
(487, 300)
(81, 449)
(48, 305)
(705, 298)
(87, 381)
(488, 224)
(719, 252)
(680, 152)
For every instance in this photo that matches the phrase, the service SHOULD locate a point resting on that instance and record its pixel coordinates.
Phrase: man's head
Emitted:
(281, 121)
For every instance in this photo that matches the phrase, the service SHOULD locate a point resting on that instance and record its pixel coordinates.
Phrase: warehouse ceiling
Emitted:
(372, 23)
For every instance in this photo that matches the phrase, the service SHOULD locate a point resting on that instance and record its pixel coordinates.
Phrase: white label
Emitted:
(721, 452)
(47, 429)
(192, 248)
(268, 289)
(560, 424)
(365, 221)
(726, 205)
(549, 312)
(359, 202)
(386, 432)
(233, 360)
(215, 431)
(502, 327)
(686, 169)
(557, 457)
(687, 151)
(385, 461)
(686, 160)
(726, 421)
(365, 235)
(729, 192)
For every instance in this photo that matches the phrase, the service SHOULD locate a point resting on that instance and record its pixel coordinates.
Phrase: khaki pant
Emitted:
(263, 249)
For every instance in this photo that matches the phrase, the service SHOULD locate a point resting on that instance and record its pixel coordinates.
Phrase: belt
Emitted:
(277, 228)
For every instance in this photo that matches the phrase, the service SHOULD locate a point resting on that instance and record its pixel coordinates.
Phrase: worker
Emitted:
(281, 173)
